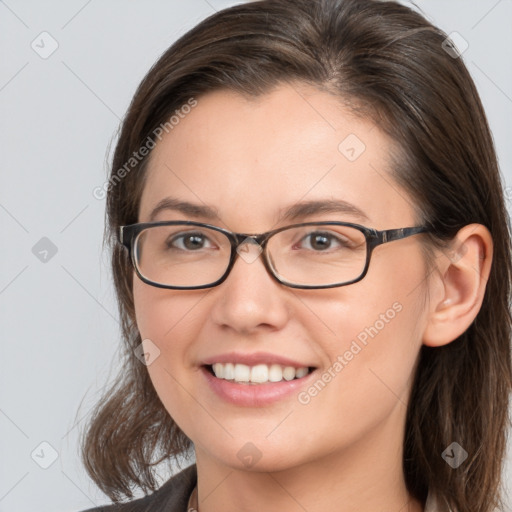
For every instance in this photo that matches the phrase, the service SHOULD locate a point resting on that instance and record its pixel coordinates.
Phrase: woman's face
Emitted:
(250, 161)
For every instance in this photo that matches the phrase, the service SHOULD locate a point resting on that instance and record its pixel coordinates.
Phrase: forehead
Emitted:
(248, 158)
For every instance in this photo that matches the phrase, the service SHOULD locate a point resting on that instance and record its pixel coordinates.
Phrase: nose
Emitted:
(250, 299)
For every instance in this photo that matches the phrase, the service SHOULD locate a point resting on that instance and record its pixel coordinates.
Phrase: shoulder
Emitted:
(172, 496)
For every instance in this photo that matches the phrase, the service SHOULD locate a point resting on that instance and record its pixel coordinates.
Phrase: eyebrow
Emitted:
(185, 207)
(308, 208)
(292, 213)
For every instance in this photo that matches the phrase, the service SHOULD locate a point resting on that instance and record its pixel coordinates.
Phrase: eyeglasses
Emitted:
(188, 255)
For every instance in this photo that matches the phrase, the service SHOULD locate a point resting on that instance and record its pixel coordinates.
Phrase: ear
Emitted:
(463, 271)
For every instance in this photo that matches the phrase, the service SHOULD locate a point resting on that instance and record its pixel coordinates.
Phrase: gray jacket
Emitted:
(171, 497)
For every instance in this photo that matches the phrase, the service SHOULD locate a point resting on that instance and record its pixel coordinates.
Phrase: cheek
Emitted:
(165, 316)
(372, 337)
(149, 302)
(168, 323)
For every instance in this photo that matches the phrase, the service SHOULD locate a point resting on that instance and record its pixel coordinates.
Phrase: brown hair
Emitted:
(388, 64)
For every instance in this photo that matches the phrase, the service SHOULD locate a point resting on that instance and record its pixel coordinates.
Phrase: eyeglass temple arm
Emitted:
(389, 235)
(124, 236)
(120, 235)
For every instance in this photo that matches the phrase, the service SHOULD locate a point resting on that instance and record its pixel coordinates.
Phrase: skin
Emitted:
(342, 451)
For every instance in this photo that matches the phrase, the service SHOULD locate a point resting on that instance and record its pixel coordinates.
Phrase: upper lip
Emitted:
(254, 359)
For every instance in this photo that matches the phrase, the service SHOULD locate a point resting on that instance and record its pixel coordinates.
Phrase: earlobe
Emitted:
(463, 271)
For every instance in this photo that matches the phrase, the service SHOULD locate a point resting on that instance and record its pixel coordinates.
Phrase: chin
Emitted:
(253, 456)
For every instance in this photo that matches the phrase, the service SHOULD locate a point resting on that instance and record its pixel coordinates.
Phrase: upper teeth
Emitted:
(259, 373)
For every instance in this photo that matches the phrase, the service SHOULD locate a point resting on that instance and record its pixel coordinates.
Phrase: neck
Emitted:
(367, 476)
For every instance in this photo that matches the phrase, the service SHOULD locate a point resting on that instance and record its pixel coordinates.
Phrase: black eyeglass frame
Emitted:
(128, 234)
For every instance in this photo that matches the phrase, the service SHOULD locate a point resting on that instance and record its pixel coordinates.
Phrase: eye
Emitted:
(323, 240)
(190, 241)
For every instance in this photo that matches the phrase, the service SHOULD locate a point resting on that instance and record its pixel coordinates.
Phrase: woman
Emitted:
(312, 258)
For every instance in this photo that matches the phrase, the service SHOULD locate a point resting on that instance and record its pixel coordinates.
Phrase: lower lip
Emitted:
(254, 395)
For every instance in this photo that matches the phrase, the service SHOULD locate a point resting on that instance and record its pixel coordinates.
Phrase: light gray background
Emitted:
(59, 319)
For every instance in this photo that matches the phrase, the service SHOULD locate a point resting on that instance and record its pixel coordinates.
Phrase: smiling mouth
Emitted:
(257, 374)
